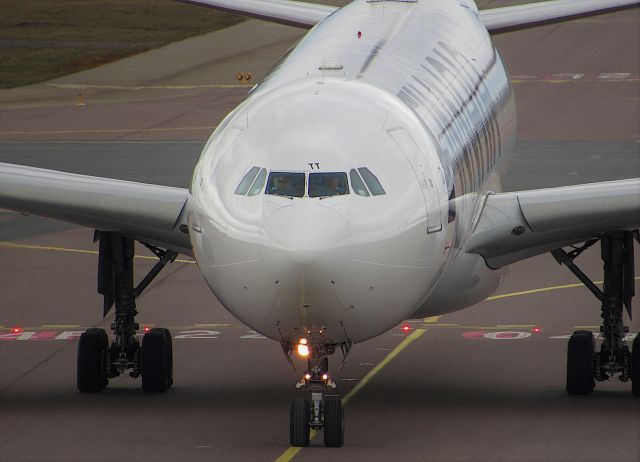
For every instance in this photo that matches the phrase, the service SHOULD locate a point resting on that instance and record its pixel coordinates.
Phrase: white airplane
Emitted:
(358, 185)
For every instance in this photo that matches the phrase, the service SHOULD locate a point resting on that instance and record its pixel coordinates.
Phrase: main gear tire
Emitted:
(580, 354)
(91, 366)
(156, 363)
(635, 366)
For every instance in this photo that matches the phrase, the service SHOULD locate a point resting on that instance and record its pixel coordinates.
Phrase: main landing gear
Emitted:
(97, 361)
(585, 364)
(320, 411)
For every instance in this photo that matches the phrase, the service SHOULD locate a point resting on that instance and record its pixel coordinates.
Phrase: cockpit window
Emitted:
(257, 185)
(372, 182)
(357, 184)
(243, 187)
(286, 184)
(328, 184)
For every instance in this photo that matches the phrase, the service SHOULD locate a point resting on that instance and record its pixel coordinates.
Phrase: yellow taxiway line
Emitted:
(13, 245)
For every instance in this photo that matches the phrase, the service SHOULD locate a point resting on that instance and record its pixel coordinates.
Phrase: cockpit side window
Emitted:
(257, 185)
(357, 184)
(328, 184)
(243, 187)
(286, 184)
(372, 182)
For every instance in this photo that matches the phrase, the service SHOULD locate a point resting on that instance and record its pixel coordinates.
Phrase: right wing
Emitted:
(145, 212)
(517, 225)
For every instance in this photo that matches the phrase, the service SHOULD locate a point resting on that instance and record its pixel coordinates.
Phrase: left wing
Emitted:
(149, 213)
(517, 225)
(518, 17)
(291, 13)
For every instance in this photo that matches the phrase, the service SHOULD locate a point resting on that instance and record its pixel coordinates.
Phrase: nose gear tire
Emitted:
(333, 423)
(299, 422)
(580, 355)
(92, 349)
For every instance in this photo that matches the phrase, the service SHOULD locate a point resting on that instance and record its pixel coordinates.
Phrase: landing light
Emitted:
(303, 349)
(325, 377)
(307, 376)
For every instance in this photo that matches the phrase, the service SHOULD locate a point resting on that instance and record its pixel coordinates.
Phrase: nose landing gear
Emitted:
(319, 412)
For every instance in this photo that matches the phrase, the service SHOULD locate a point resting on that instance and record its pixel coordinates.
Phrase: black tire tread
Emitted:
(299, 427)
(91, 371)
(635, 366)
(580, 353)
(155, 365)
(333, 423)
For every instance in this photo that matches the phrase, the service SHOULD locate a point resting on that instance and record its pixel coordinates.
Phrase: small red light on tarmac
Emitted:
(536, 330)
(406, 328)
(147, 328)
(16, 330)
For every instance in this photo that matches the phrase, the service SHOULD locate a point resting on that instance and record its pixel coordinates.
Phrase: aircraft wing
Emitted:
(496, 20)
(510, 18)
(291, 13)
(517, 225)
(148, 213)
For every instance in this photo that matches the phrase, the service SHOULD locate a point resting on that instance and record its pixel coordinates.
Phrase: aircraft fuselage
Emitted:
(413, 94)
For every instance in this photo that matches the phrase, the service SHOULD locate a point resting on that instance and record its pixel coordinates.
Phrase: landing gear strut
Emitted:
(97, 361)
(585, 364)
(321, 411)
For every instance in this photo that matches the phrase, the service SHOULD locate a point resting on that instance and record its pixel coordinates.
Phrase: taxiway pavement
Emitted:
(475, 385)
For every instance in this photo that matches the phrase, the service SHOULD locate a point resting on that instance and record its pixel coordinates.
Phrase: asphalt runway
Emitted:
(477, 385)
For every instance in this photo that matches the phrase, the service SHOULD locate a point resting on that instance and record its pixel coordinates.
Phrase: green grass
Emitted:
(44, 39)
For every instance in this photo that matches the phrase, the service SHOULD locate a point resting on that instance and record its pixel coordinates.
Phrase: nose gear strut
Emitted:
(97, 361)
(586, 365)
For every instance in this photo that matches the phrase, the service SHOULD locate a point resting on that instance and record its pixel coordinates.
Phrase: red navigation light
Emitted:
(147, 328)
(16, 330)
(406, 328)
(536, 330)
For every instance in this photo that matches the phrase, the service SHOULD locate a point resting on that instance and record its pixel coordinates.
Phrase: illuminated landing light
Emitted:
(17, 330)
(307, 376)
(325, 377)
(303, 348)
(536, 330)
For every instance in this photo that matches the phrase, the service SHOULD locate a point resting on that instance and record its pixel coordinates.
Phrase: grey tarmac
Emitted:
(477, 385)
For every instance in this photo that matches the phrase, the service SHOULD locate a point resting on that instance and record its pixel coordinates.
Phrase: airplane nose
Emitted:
(308, 255)
(305, 232)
